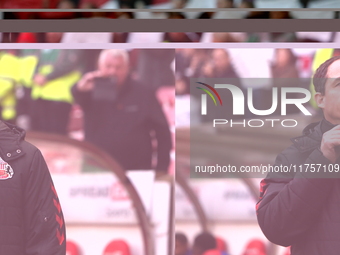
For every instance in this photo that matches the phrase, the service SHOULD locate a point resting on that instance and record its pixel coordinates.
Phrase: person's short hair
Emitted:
(114, 53)
(320, 76)
(180, 237)
(205, 241)
(248, 3)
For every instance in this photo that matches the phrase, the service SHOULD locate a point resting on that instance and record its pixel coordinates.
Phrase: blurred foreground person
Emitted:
(301, 208)
(31, 218)
(122, 116)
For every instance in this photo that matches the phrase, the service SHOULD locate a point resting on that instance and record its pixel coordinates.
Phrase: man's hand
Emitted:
(40, 80)
(330, 144)
(86, 83)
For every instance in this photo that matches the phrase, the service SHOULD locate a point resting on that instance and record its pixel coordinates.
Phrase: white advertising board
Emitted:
(100, 197)
(227, 199)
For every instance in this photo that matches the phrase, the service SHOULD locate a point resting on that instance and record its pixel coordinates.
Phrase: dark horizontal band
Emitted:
(174, 25)
(166, 25)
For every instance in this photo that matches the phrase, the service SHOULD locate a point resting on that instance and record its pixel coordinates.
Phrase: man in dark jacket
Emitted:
(31, 218)
(302, 209)
(122, 116)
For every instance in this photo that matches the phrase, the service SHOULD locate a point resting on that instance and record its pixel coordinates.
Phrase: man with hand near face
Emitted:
(122, 116)
(302, 209)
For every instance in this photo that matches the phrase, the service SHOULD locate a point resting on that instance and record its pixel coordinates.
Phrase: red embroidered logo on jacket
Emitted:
(59, 218)
(6, 171)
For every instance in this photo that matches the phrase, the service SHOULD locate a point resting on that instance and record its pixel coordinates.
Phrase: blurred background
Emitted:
(167, 4)
(227, 9)
(171, 37)
(215, 214)
(105, 213)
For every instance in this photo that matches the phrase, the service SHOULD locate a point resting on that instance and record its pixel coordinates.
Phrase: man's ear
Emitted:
(320, 100)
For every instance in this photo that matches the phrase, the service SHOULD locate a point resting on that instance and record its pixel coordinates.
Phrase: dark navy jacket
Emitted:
(124, 126)
(297, 210)
(31, 220)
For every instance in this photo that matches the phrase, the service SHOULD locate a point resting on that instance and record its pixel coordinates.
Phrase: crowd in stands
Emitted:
(175, 4)
(170, 37)
(243, 11)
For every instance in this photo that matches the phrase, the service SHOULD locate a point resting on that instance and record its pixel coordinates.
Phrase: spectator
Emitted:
(27, 38)
(181, 244)
(223, 37)
(202, 243)
(131, 4)
(121, 115)
(225, 4)
(62, 4)
(281, 36)
(181, 37)
(158, 63)
(255, 247)
(222, 246)
(67, 4)
(53, 37)
(285, 74)
(205, 15)
(179, 4)
(219, 4)
(187, 108)
(125, 15)
(51, 91)
(176, 15)
(177, 36)
(220, 66)
(247, 4)
(213, 252)
(79, 37)
(8, 78)
(190, 61)
(284, 65)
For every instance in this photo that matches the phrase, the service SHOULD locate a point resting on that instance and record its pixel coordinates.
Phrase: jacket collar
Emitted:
(326, 126)
(10, 141)
(312, 135)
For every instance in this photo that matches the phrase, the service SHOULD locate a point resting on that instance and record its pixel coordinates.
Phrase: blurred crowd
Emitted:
(170, 37)
(242, 12)
(49, 90)
(175, 4)
(206, 243)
